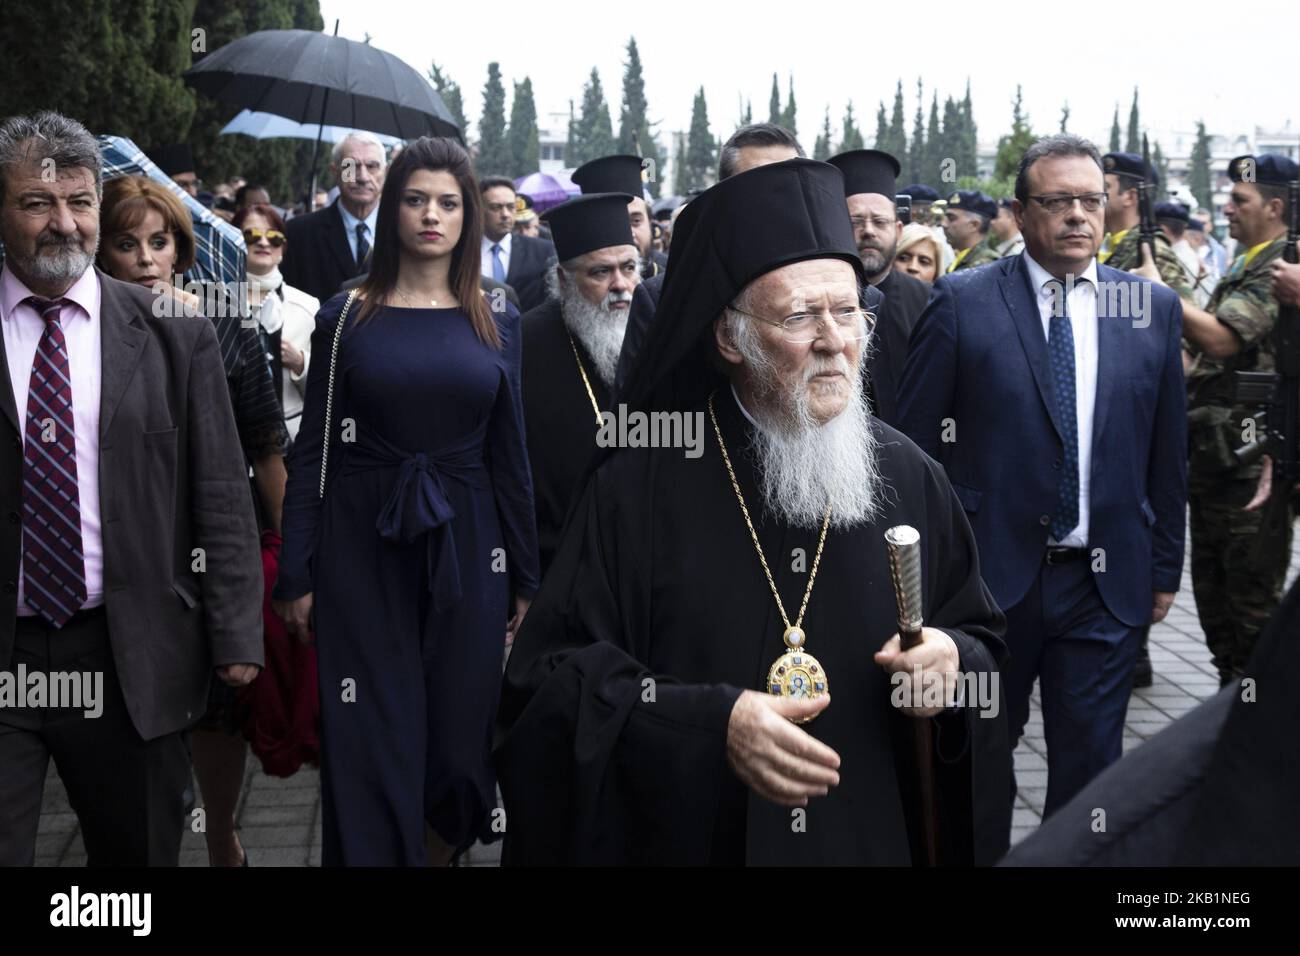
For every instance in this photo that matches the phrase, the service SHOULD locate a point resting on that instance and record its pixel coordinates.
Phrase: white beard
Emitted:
(599, 328)
(803, 466)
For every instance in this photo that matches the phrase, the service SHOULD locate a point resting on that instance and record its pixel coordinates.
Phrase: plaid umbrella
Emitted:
(218, 246)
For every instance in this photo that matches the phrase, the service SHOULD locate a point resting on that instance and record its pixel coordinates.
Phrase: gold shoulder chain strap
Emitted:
(796, 673)
(586, 383)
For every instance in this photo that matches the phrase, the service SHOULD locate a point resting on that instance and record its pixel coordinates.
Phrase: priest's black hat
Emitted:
(742, 228)
(868, 171)
(585, 223)
(173, 159)
(611, 174)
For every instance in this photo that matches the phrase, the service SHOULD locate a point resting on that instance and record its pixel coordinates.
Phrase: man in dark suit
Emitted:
(327, 247)
(870, 180)
(129, 559)
(518, 261)
(1051, 389)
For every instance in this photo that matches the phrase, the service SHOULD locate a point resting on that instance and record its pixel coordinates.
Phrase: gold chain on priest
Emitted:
(796, 673)
(585, 382)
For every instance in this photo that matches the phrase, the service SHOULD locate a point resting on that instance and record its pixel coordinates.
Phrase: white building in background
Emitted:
(552, 136)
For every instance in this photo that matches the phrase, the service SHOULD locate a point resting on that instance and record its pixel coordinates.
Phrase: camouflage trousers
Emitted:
(1236, 585)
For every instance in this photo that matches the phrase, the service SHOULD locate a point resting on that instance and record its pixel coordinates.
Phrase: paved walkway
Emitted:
(279, 819)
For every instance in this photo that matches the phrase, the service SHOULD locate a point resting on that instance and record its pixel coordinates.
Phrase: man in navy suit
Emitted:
(1051, 389)
(518, 261)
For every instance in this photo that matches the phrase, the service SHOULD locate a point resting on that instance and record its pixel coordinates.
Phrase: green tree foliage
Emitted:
(493, 157)
(1198, 180)
(1012, 146)
(966, 156)
(699, 166)
(822, 148)
(882, 128)
(790, 115)
(1133, 142)
(774, 103)
(595, 134)
(1161, 164)
(1114, 132)
(933, 146)
(1065, 115)
(451, 95)
(850, 135)
(914, 168)
(522, 139)
(634, 135)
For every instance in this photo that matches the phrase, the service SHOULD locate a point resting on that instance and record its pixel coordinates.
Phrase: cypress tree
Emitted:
(789, 115)
(1133, 143)
(449, 90)
(822, 148)
(522, 139)
(595, 132)
(914, 168)
(851, 136)
(1114, 131)
(493, 154)
(1198, 180)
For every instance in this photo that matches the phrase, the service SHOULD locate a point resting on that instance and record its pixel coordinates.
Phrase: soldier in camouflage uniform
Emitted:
(966, 225)
(1237, 583)
(1122, 249)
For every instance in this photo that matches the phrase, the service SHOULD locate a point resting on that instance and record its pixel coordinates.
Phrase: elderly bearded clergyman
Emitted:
(571, 348)
(638, 723)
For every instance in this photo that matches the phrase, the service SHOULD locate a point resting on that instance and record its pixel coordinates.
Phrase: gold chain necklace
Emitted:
(796, 673)
(432, 302)
(585, 382)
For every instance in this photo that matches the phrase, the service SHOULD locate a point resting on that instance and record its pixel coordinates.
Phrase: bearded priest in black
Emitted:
(571, 347)
(711, 672)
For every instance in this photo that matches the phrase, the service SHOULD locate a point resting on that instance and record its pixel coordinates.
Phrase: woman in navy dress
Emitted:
(406, 565)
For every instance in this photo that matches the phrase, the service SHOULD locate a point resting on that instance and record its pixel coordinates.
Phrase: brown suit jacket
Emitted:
(172, 479)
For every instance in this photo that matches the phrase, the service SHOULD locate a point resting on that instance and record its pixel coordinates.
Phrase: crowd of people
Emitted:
(387, 451)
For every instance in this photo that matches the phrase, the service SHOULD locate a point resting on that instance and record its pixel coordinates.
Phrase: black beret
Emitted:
(1270, 169)
(1129, 164)
(1172, 210)
(972, 200)
(919, 193)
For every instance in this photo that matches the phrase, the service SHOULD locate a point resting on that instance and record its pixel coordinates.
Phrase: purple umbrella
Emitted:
(544, 190)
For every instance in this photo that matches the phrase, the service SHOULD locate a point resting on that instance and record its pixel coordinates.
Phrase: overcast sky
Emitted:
(1190, 60)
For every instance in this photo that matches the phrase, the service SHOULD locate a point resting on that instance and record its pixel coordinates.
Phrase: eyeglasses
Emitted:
(879, 223)
(274, 236)
(804, 327)
(1060, 202)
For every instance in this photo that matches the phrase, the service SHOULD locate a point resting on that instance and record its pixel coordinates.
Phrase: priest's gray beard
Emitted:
(804, 465)
(600, 328)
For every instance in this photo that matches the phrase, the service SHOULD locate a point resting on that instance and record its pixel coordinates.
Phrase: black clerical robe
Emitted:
(905, 300)
(559, 422)
(656, 614)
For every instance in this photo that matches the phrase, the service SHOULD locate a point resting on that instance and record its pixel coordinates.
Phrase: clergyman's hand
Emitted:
(936, 657)
(774, 758)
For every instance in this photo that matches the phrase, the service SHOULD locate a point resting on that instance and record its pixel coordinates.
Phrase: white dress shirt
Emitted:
(1081, 306)
(23, 328)
(350, 227)
(485, 264)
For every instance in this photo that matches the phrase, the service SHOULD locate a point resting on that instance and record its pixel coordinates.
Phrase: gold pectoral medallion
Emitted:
(796, 673)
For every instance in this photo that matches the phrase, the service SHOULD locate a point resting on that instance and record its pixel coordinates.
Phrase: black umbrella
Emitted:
(316, 78)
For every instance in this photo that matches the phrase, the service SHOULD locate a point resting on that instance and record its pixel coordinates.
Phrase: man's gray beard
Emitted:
(876, 261)
(70, 264)
(803, 466)
(599, 328)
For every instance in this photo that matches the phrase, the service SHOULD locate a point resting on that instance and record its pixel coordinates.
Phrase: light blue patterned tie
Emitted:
(1060, 348)
(498, 267)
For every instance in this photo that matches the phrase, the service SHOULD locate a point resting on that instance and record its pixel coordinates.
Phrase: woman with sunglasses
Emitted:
(285, 316)
(406, 555)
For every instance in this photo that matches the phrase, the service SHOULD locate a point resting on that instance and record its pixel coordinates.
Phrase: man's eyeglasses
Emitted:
(804, 327)
(879, 223)
(274, 236)
(1060, 202)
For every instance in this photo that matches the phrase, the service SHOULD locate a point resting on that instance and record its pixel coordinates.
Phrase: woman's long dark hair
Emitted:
(438, 155)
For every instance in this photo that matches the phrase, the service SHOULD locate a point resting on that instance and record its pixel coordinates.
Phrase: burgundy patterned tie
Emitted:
(54, 568)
